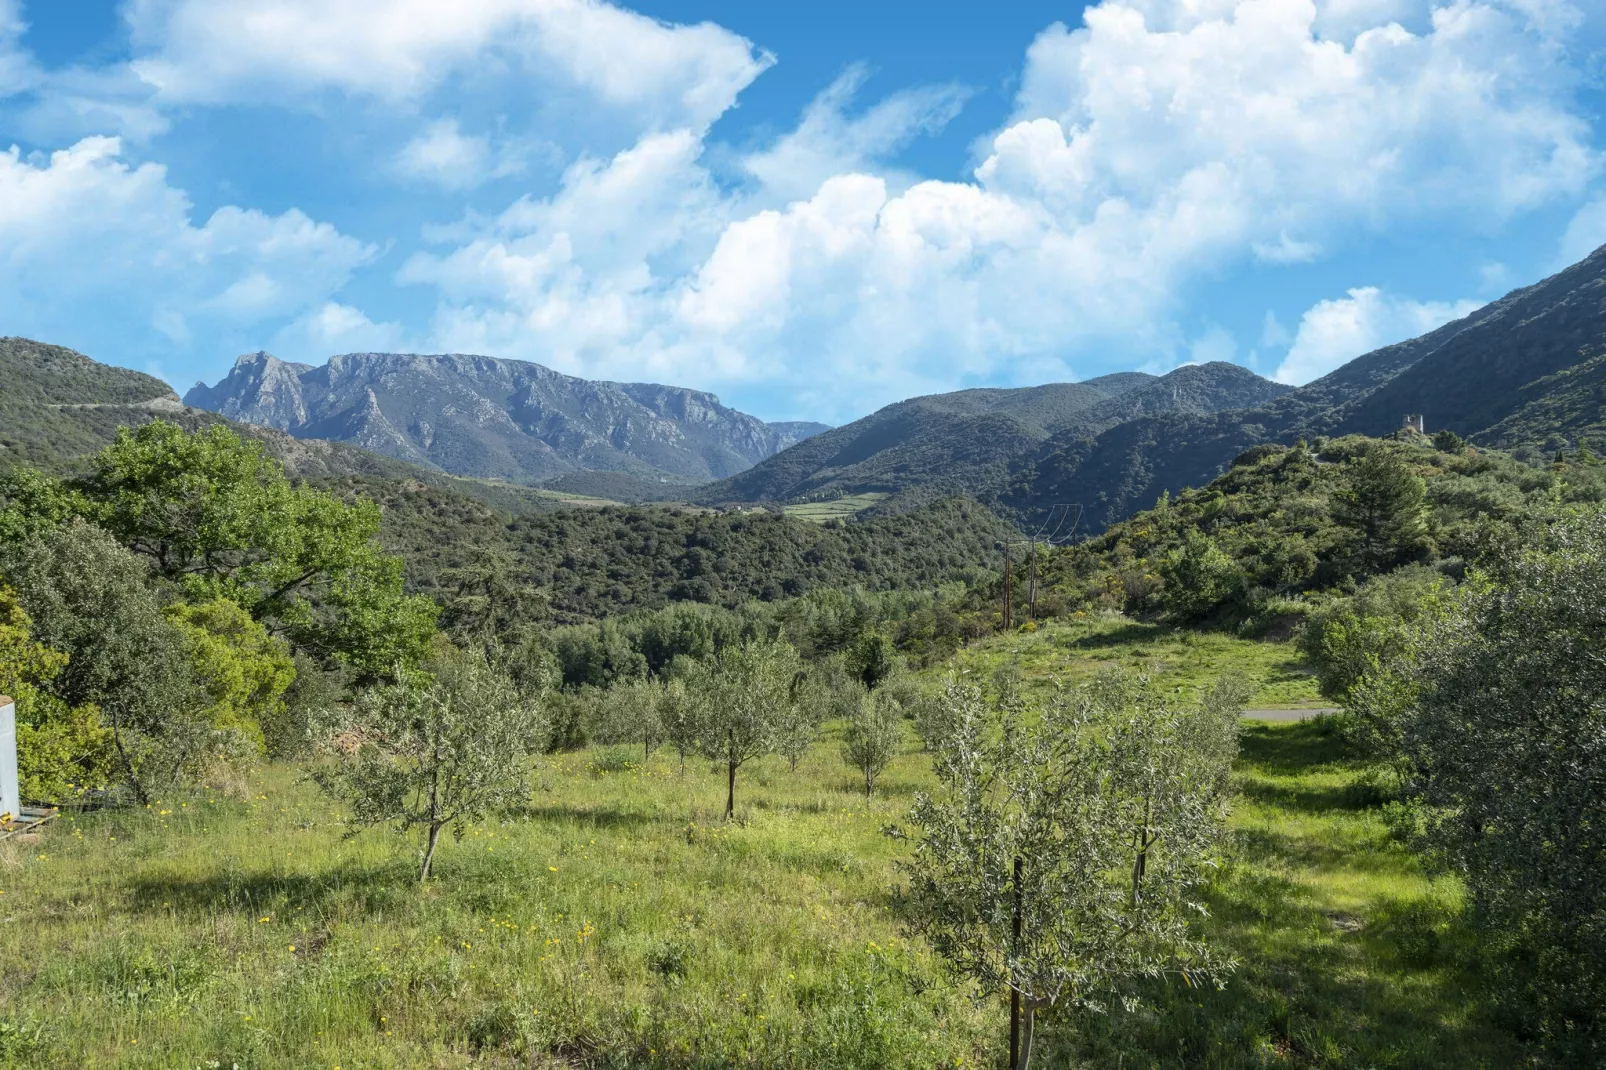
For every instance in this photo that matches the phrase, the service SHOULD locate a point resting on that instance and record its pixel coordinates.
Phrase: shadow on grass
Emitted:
(1308, 798)
(364, 888)
(1291, 749)
(599, 817)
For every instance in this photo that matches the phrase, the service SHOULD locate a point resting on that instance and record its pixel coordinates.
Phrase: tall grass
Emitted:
(617, 922)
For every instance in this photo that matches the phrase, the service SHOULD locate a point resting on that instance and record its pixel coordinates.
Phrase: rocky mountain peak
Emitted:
(488, 417)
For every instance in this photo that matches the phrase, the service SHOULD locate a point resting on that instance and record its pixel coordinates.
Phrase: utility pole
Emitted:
(1007, 582)
(1031, 585)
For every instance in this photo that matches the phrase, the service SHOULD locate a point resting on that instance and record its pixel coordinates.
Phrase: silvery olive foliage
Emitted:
(1109, 804)
(873, 736)
(747, 694)
(679, 711)
(438, 748)
(1496, 711)
(632, 711)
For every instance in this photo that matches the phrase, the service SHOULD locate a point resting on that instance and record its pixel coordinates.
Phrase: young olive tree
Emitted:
(1496, 710)
(747, 693)
(819, 695)
(873, 736)
(632, 711)
(436, 749)
(680, 712)
(1063, 855)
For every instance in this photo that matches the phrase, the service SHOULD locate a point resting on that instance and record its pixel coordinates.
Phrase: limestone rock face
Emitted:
(499, 419)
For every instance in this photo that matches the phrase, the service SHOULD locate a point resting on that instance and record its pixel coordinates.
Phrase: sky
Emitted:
(810, 209)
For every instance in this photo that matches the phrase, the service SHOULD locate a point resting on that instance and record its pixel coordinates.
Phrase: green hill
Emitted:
(968, 442)
(1274, 515)
(1524, 369)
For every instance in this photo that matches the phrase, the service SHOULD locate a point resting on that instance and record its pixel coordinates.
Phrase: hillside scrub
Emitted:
(1494, 704)
(1298, 521)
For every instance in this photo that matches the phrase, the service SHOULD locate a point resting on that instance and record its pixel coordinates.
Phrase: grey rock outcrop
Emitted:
(499, 419)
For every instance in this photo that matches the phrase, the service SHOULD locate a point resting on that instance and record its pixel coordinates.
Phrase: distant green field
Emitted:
(576, 501)
(820, 512)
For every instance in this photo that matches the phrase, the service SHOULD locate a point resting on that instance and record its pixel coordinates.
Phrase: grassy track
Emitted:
(617, 922)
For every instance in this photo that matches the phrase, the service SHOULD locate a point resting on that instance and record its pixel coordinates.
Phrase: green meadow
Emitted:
(1080, 648)
(616, 921)
(837, 509)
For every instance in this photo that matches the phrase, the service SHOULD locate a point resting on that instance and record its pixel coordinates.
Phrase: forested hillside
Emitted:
(1285, 524)
(586, 564)
(967, 442)
(55, 403)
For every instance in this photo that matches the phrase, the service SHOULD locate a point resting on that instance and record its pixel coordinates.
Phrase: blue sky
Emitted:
(813, 209)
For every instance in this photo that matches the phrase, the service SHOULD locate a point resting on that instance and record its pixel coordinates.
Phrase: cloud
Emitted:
(337, 328)
(17, 69)
(1473, 114)
(1335, 331)
(1585, 233)
(82, 229)
(577, 280)
(1156, 146)
(828, 141)
(446, 157)
(247, 51)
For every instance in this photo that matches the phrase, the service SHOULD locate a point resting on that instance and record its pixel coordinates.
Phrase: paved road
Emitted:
(1288, 715)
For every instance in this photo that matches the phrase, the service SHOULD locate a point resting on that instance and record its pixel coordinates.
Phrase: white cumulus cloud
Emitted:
(83, 229)
(444, 156)
(1335, 331)
(199, 51)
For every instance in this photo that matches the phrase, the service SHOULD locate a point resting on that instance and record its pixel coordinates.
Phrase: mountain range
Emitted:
(971, 441)
(497, 419)
(1528, 369)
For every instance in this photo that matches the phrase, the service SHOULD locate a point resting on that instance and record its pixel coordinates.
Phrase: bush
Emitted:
(1348, 636)
(88, 598)
(1199, 577)
(1494, 708)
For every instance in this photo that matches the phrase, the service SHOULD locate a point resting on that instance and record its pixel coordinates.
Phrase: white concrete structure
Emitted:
(10, 797)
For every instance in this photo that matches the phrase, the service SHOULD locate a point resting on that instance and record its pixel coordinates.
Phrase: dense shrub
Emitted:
(1496, 709)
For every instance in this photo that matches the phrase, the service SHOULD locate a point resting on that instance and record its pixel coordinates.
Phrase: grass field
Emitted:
(1076, 650)
(616, 922)
(841, 508)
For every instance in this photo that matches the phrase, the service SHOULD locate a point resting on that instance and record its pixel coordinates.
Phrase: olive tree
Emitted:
(632, 711)
(747, 693)
(873, 736)
(1063, 855)
(1496, 711)
(680, 711)
(435, 749)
